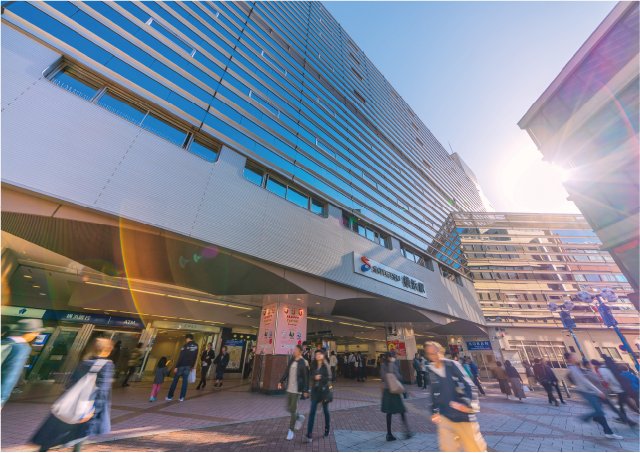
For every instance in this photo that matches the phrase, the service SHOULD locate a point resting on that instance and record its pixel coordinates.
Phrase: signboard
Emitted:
(90, 318)
(234, 348)
(292, 328)
(622, 348)
(185, 326)
(22, 312)
(384, 274)
(399, 346)
(265, 343)
(40, 340)
(478, 346)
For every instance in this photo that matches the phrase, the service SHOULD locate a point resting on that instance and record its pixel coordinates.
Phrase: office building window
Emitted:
(609, 352)
(81, 82)
(153, 23)
(263, 102)
(295, 195)
(450, 275)
(365, 230)
(416, 257)
(272, 60)
(359, 96)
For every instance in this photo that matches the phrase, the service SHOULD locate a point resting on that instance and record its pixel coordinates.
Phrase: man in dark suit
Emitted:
(207, 356)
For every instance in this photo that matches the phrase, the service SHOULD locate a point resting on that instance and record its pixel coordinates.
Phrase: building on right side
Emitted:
(586, 121)
(522, 263)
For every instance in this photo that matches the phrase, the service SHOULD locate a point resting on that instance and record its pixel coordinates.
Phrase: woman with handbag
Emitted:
(515, 379)
(97, 421)
(320, 393)
(503, 379)
(392, 388)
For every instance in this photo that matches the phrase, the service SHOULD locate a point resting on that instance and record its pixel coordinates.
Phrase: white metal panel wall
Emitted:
(58, 144)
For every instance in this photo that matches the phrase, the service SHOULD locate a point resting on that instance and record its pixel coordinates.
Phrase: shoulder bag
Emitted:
(78, 403)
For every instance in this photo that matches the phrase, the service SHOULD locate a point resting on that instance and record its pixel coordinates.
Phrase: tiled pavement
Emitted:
(234, 419)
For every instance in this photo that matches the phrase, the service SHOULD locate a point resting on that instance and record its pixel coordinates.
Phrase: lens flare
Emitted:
(209, 252)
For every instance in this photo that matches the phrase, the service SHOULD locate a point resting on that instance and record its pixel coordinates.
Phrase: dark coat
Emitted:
(55, 432)
(317, 389)
(302, 375)
(207, 357)
(512, 372)
(455, 386)
(221, 362)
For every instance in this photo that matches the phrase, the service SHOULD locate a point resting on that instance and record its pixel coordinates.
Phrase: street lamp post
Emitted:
(606, 315)
(567, 322)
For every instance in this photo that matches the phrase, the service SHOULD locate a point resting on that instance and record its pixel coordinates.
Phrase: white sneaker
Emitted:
(290, 435)
(181, 399)
(168, 399)
(299, 422)
(613, 436)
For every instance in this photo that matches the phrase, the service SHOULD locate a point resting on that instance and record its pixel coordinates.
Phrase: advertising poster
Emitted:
(292, 328)
(399, 346)
(234, 348)
(265, 341)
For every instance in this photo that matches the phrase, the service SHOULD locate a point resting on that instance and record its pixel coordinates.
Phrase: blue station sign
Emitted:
(478, 346)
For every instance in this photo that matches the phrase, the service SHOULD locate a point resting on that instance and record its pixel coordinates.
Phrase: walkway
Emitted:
(234, 419)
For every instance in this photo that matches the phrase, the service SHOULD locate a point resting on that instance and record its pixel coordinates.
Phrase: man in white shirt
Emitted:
(352, 366)
(333, 363)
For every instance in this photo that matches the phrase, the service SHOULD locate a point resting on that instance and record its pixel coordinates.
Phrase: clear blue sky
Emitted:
(471, 70)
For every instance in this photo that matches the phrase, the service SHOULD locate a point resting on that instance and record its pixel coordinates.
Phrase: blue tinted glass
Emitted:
(156, 26)
(296, 197)
(253, 175)
(122, 108)
(70, 82)
(276, 187)
(317, 206)
(203, 151)
(154, 124)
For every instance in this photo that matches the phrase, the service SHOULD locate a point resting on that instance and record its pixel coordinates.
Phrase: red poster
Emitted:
(399, 346)
(292, 328)
(266, 334)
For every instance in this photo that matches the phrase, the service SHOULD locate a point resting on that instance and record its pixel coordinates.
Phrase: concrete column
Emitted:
(403, 340)
(282, 327)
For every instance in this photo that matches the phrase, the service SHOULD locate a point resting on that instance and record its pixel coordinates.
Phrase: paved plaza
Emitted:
(233, 419)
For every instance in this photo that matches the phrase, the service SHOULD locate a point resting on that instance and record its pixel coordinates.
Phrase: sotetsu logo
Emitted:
(366, 266)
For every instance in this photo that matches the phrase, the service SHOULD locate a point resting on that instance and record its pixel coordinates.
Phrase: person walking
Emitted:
(54, 432)
(391, 402)
(134, 360)
(425, 373)
(115, 353)
(418, 368)
(320, 389)
(221, 363)
(162, 371)
(454, 403)
(333, 363)
(186, 362)
(625, 383)
(503, 379)
(205, 361)
(542, 375)
(633, 383)
(15, 353)
(591, 372)
(352, 366)
(296, 376)
(591, 394)
(475, 375)
(360, 367)
(531, 377)
(515, 379)
(345, 366)
(554, 379)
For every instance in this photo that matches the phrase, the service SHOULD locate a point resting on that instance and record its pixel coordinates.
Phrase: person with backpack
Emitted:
(320, 393)
(475, 375)
(15, 353)
(186, 362)
(631, 385)
(162, 371)
(221, 363)
(297, 377)
(542, 374)
(591, 394)
(85, 409)
(454, 403)
(134, 360)
(392, 388)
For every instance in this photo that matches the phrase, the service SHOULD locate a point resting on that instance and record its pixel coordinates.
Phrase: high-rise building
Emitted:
(191, 164)
(587, 122)
(521, 264)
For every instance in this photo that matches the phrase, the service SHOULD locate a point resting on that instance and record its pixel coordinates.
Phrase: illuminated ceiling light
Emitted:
(102, 284)
(214, 303)
(318, 319)
(42, 294)
(147, 292)
(36, 286)
(28, 276)
(317, 303)
(236, 306)
(180, 297)
(346, 323)
(298, 298)
(92, 309)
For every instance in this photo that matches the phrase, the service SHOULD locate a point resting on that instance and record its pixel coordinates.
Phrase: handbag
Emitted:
(78, 402)
(327, 394)
(192, 376)
(394, 384)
